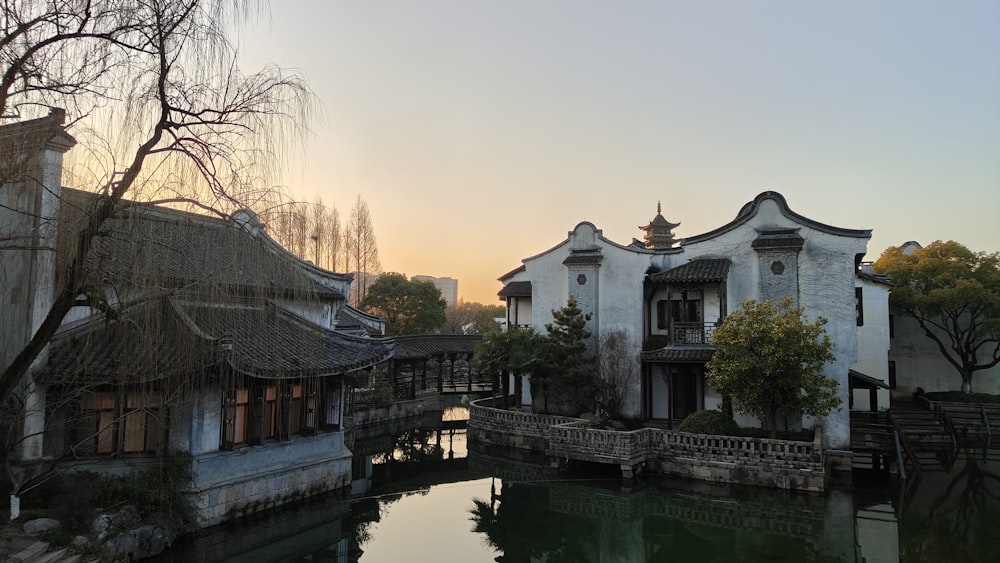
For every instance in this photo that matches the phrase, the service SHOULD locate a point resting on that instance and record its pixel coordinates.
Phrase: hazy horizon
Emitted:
(480, 133)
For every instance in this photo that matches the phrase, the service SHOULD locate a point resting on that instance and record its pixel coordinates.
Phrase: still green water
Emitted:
(430, 499)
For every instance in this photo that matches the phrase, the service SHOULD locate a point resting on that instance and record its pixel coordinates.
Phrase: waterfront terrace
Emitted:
(784, 464)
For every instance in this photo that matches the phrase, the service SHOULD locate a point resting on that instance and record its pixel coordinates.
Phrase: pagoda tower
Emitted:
(659, 231)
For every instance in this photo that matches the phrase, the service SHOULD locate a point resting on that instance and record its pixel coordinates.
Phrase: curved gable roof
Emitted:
(146, 245)
(750, 210)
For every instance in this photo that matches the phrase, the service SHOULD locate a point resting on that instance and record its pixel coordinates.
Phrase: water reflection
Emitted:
(430, 497)
(953, 516)
(666, 520)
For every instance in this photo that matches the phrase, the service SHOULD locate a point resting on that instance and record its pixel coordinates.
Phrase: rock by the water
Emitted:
(39, 525)
(141, 542)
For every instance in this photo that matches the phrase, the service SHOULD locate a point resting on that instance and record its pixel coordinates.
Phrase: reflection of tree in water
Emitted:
(961, 523)
(364, 513)
(518, 524)
(412, 445)
(523, 526)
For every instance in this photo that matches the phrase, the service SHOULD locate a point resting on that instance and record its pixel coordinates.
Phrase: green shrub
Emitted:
(157, 492)
(709, 422)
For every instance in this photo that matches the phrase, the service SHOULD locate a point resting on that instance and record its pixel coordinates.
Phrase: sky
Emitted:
(480, 132)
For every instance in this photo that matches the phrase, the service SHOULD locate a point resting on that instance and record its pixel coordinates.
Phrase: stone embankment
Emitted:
(782, 464)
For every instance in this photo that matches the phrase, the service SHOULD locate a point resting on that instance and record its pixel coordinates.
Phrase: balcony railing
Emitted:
(682, 334)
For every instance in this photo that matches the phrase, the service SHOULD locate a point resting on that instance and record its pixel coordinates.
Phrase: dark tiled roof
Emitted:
(516, 270)
(877, 278)
(516, 289)
(428, 345)
(696, 271)
(750, 210)
(27, 138)
(164, 339)
(149, 246)
(779, 238)
(859, 380)
(356, 321)
(679, 355)
(588, 258)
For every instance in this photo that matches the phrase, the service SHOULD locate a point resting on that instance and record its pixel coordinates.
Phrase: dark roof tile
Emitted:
(164, 339)
(704, 270)
(428, 345)
(516, 289)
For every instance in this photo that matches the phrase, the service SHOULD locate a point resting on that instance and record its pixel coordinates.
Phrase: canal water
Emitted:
(425, 496)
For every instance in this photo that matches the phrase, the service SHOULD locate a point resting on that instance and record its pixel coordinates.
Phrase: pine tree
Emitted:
(567, 379)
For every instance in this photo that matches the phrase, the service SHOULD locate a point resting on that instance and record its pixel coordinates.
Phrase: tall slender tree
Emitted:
(361, 250)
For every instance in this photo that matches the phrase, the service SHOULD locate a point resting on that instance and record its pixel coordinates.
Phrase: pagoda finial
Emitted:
(658, 212)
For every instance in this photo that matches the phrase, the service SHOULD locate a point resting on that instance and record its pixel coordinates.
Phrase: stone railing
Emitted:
(739, 449)
(502, 420)
(575, 441)
(781, 463)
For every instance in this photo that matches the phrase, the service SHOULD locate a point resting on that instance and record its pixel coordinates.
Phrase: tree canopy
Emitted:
(408, 306)
(516, 351)
(954, 295)
(769, 360)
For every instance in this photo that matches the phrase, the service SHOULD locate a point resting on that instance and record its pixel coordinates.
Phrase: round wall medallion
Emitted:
(581, 279)
(777, 268)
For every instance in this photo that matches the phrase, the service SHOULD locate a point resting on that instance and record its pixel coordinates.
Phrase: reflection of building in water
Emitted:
(878, 533)
(432, 442)
(679, 520)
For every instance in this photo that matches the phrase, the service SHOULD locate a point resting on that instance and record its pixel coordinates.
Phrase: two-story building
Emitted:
(666, 296)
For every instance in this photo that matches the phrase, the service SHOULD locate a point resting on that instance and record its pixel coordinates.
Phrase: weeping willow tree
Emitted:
(160, 112)
(159, 107)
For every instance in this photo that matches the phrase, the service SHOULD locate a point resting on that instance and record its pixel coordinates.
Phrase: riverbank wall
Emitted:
(782, 464)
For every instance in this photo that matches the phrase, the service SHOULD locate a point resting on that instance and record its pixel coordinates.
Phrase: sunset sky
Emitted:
(480, 132)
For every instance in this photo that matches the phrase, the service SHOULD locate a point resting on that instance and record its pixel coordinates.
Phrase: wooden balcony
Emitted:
(691, 334)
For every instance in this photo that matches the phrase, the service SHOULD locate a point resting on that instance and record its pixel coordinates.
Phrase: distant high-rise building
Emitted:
(448, 287)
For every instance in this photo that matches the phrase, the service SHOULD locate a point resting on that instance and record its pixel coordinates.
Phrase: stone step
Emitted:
(52, 556)
(31, 553)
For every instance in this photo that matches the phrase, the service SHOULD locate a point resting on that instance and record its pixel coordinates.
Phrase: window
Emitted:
(99, 423)
(892, 326)
(269, 410)
(235, 407)
(685, 307)
(662, 320)
(144, 423)
(892, 374)
(332, 411)
(109, 423)
(859, 305)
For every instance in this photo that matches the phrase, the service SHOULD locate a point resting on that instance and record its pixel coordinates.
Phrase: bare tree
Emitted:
(618, 361)
(159, 107)
(311, 231)
(361, 251)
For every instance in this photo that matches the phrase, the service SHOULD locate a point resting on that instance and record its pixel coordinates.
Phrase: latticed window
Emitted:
(235, 407)
(144, 423)
(109, 423)
(258, 411)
